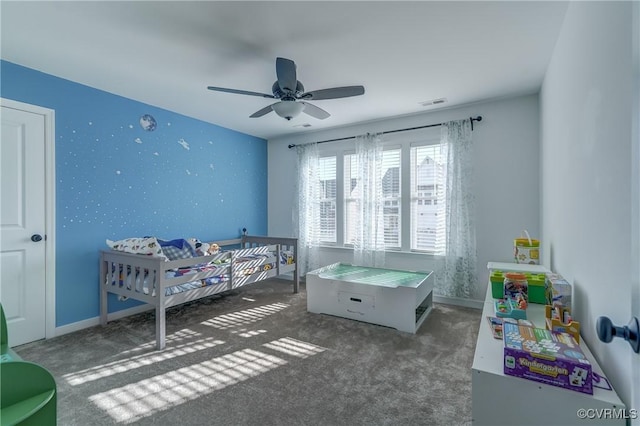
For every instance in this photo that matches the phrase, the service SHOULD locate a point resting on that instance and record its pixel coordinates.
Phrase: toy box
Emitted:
(526, 250)
(497, 284)
(510, 308)
(547, 357)
(536, 286)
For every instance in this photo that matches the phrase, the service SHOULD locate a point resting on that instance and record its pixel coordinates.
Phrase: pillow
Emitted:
(202, 249)
(148, 246)
(177, 249)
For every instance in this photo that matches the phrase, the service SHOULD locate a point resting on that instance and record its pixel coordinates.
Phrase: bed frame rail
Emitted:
(284, 244)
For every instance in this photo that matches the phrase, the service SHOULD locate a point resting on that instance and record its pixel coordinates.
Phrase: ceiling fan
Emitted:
(292, 96)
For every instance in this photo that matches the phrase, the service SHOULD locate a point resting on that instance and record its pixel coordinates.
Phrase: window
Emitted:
(428, 178)
(350, 197)
(392, 197)
(327, 177)
(413, 187)
(390, 193)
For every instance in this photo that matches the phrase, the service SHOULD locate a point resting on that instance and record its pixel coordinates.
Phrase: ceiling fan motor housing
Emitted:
(280, 94)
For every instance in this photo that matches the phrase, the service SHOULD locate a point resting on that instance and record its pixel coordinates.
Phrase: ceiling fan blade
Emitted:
(286, 72)
(334, 93)
(240, 92)
(263, 111)
(314, 111)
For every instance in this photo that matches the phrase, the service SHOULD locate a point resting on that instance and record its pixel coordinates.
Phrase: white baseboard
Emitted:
(458, 301)
(92, 322)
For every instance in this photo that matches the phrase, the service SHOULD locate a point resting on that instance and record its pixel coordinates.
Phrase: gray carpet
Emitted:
(256, 356)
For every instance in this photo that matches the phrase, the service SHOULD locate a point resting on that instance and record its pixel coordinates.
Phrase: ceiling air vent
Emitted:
(433, 102)
(302, 125)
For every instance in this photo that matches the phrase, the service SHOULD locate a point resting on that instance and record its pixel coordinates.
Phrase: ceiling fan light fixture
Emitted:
(288, 109)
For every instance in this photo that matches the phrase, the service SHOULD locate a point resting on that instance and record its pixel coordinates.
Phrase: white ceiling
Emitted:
(165, 53)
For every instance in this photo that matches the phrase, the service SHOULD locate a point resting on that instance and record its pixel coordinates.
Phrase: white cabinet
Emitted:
(498, 399)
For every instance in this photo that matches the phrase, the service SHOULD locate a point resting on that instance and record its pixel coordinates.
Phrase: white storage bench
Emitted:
(393, 298)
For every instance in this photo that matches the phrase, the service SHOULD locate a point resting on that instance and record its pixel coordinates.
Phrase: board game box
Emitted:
(495, 324)
(547, 357)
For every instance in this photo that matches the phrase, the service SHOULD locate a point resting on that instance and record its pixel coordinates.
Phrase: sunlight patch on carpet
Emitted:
(244, 317)
(139, 361)
(135, 401)
(177, 337)
(250, 333)
(294, 347)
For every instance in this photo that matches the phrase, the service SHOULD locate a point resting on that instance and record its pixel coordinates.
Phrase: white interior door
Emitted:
(22, 223)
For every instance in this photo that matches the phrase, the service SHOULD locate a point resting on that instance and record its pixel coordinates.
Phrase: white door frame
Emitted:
(50, 207)
(635, 201)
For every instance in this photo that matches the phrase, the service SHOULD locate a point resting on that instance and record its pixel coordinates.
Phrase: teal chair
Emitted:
(28, 394)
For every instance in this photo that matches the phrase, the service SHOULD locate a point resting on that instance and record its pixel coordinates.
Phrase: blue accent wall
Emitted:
(116, 178)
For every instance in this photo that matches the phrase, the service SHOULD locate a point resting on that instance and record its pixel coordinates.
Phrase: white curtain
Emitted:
(368, 245)
(307, 210)
(458, 276)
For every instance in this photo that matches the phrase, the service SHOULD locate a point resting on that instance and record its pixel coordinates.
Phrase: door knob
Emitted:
(631, 332)
(36, 237)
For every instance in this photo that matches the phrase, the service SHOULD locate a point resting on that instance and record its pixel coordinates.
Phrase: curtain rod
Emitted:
(478, 118)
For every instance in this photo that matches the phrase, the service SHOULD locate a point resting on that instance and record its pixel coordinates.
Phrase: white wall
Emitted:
(506, 169)
(586, 121)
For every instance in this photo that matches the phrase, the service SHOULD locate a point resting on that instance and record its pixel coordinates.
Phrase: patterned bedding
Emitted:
(141, 280)
(254, 265)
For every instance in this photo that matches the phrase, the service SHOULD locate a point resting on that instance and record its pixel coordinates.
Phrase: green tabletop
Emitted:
(373, 276)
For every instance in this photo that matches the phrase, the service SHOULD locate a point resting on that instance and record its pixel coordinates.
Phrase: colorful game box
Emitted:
(496, 327)
(558, 290)
(495, 323)
(547, 357)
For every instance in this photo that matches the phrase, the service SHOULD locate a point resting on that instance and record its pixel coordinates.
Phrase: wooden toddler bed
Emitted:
(162, 283)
